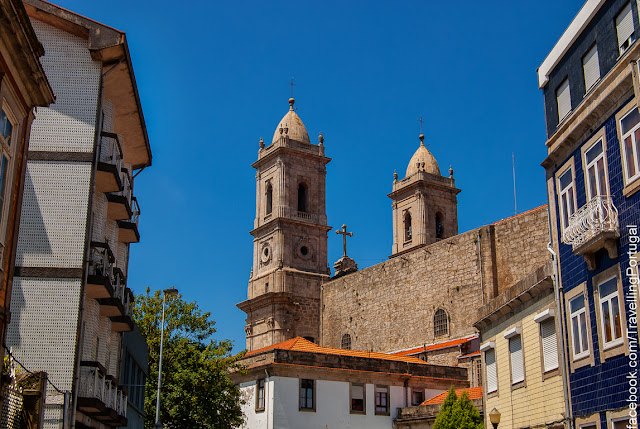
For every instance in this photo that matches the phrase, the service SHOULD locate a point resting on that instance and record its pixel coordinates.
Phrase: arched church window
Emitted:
(439, 225)
(302, 197)
(346, 342)
(269, 198)
(440, 323)
(407, 227)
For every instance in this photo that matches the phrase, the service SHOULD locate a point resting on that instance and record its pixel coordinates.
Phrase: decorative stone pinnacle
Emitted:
(395, 175)
(421, 137)
(261, 143)
(450, 172)
(321, 138)
(291, 101)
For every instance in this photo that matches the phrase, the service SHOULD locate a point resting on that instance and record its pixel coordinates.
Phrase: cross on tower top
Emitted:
(344, 234)
(292, 85)
(421, 122)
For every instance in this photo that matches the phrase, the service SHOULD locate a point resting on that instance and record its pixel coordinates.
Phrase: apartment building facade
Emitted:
(79, 216)
(23, 86)
(591, 97)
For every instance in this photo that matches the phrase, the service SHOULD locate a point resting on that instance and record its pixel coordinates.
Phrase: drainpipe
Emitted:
(266, 398)
(563, 360)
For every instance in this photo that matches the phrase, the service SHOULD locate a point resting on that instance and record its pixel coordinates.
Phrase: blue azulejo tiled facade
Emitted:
(591, 86)
(602, 384)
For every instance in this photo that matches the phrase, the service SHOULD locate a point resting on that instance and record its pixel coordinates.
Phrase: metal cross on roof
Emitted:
(421, 122)
(344, 234)
(292, 85)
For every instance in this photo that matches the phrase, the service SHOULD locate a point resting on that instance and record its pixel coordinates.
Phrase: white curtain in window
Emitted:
(591, 68)
(549, 344)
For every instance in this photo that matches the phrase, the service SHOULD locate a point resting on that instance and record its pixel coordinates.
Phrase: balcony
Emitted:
(128, 228)
(108, 178)
(119, 203)
(100, 396)
(593, 227)
(100, 275)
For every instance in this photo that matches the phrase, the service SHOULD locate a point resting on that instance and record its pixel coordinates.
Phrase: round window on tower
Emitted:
(304, 249)
(265, 253)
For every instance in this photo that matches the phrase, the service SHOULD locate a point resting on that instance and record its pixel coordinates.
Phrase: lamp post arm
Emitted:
(164, 299)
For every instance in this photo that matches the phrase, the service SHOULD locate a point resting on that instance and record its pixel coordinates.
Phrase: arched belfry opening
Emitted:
(303, 197)
(439, 225)
(269, 207)
(408, 233)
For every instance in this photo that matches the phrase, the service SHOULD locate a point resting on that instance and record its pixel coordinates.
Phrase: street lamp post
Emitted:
(494, 417)
(173, 292)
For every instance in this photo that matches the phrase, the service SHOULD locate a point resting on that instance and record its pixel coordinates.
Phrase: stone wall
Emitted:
(391, 306)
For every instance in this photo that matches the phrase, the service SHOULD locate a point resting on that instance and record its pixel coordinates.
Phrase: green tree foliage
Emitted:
(458, 413)
(196, 389)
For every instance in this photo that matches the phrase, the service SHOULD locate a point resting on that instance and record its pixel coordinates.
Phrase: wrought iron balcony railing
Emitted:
(598, 218)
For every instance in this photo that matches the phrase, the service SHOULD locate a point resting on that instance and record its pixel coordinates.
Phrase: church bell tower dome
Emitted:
(292, 125)
(422, 160)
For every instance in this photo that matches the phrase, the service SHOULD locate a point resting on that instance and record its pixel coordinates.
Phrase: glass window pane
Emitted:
(628, 153)
(595, 150)
(593, 190)
(583, 331)
(630, 121)
(577, 303)
(607, 321)
(602, 180)
(609, 287)
(615, 313)
(565, 179)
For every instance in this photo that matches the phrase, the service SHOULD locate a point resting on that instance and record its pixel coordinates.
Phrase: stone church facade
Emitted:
(426, 294)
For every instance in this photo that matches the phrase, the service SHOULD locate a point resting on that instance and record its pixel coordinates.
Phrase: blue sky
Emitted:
(213, 76)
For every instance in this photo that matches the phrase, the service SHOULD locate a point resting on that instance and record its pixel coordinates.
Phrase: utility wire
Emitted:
(30, 372)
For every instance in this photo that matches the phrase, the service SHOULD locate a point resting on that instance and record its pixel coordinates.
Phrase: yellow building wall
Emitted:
(539, 402)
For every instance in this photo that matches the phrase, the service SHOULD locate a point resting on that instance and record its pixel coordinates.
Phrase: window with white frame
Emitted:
(596, 170)
(549, 344)
(610, 316)
(591, 67)
(563, 97)
(491, 369)
(567, 196)
(624, 28)
(516, 357)
(622, 424)
(382, 399)
(630, 131)
(358, 398)
(579, 327)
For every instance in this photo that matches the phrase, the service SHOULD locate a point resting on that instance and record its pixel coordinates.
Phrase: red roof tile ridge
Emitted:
(520, 214)
(473, 392)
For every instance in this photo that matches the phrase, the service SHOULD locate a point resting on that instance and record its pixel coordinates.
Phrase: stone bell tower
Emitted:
(289, 237)
(425, 206)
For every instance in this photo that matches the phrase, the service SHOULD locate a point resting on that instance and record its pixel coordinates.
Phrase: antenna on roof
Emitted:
(513, 163)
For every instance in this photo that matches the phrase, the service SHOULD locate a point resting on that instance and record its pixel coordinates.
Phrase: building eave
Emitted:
(570, 35)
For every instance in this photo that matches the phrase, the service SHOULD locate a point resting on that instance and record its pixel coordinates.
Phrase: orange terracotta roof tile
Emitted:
(519, 214)
(437, 346)
(301, 345)
(474, 393)
(476, 353)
